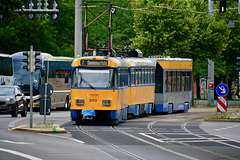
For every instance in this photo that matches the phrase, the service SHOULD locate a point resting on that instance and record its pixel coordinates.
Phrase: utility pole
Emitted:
(210, 82)
(210, 7)
(78, 29)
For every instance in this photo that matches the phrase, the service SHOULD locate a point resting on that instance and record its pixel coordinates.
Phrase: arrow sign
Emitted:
(222, 90)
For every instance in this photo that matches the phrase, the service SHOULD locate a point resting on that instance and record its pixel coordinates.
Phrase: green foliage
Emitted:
(225, 116)
(17, 33)
(184, 29)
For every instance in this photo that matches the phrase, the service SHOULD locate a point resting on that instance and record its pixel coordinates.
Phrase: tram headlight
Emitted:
(80, 101)
(106, 102)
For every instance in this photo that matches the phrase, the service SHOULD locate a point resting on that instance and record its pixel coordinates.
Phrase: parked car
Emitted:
(13, 101)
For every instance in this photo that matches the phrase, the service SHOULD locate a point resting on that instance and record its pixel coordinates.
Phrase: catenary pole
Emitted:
(78, 29)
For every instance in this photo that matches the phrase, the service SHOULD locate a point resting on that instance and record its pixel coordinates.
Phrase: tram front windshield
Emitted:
(94, 78)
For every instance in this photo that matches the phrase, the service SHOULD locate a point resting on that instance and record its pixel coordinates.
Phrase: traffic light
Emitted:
(26, 60)
(31, 61)
(31, 15)
(238, 63)
(55, 15)
(223, 6)
(36, 60)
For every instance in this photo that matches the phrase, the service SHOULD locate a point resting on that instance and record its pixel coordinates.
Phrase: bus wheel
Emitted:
(66, 104)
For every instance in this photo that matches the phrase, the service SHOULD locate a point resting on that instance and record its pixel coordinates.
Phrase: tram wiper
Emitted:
(88, 83)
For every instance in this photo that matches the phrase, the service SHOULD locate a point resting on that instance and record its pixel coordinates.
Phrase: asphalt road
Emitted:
(173, 136)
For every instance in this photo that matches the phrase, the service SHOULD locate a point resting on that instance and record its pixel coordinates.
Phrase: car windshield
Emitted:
(7, 91)
(94, 78)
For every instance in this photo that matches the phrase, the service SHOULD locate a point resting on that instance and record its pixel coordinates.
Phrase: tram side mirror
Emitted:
(66, 78)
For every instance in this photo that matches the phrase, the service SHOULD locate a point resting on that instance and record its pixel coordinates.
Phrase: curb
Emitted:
(221, 120)
(38, 129)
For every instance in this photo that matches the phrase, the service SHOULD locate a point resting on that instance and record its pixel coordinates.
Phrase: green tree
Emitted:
(179, 29)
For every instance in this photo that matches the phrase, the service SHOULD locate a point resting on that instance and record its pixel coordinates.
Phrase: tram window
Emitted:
(166, 82)
(119, 77)
(174, 81)
(169, 81)
(137, 76)
(188, 81)
(152, 76)
(75, 78)
(183, 81)
(124, 77)
(133, 78)
(178, 81)
(146, 76)
(149, 76)
(142, 76)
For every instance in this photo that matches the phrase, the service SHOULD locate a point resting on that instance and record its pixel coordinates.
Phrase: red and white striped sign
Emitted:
(222, 104)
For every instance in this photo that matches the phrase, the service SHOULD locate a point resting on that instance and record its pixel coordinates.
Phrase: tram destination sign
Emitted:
(94, 62)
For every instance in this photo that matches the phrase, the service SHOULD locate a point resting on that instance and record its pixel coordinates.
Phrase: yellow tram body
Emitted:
(91, 99)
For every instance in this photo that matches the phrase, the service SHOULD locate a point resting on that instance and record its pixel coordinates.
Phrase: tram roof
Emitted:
(140, 62)
(173, 63)
(171, 59)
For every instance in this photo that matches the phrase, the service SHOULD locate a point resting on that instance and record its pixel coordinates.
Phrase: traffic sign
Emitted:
(49, 90)
(222, 90)
(222, 104)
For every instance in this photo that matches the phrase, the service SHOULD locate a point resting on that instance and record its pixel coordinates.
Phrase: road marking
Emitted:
(143, 134)
(155, 145)
(226, 127)
(7, 141)
(12, 124)
(184, 127)
(72, 139)
(20, 154)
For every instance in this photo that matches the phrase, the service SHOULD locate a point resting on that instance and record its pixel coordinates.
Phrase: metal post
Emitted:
(211, 79)
(45, 102)
(31, 92)
(78, 29)
(210, 7)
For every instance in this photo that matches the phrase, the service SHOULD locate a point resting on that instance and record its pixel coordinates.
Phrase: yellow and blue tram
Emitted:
(114, 88)
(99, 88)
(111, 87)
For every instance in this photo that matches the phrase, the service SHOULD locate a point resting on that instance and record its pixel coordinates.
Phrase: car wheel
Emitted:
(15, 111)
(66, 104)
(24, 112)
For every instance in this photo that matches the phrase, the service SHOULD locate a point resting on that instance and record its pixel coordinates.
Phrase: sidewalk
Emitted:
(41, 128)
(205, 102)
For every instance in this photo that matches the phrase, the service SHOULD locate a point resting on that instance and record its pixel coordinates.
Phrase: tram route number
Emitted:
(92, 100)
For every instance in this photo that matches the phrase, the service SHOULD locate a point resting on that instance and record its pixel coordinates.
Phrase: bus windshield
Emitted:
(22, 76)
(94, 78)
(6, 70)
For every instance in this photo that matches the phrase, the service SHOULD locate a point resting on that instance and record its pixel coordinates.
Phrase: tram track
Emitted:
(183, 126)
(114, 128)
(109, 144)
(164, 142)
